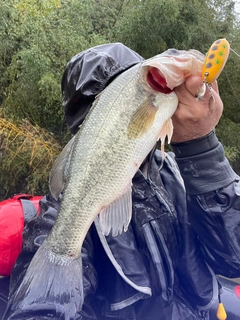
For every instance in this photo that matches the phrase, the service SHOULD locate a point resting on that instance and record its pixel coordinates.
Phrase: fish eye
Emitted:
(173, 51)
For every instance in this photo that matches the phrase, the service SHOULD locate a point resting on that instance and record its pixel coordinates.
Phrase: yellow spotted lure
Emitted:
(215, 60)
(213, 65)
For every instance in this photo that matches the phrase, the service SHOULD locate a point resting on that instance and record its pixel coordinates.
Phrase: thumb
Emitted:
(194, 84)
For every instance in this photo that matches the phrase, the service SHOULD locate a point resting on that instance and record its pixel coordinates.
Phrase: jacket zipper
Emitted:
(168, 270)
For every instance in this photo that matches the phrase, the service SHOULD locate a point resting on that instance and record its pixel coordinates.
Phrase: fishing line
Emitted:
(234, 92)
(235, 52)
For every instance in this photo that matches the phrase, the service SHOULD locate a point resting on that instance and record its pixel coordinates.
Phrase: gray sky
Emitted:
(237, 6)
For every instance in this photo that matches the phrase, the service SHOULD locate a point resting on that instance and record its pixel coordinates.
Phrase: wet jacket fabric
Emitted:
(88, 73)
(184, 227)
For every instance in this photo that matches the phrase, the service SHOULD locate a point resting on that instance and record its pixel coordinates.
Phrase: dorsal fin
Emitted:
(58, 173)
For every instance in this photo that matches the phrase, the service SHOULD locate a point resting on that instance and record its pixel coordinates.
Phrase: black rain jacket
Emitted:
(184, 229)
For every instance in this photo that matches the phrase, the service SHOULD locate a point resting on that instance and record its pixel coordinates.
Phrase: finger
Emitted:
(217, 99)
(194, 86)
(190, 90)
(193, 83)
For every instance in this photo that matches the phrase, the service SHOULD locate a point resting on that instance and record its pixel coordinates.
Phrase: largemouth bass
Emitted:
(123, 125)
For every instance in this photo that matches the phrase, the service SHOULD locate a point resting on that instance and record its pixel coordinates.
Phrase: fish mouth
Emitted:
(156, 81)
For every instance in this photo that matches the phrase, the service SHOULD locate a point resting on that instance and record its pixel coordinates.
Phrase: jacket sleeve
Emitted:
(34, 234)
(213, 200)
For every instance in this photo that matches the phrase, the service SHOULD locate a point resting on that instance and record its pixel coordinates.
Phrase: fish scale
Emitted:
(123, 125)
(114, 151)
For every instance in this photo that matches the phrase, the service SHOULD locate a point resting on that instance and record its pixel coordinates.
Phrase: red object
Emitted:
(237, 291)
(11, 228)
(157, 81)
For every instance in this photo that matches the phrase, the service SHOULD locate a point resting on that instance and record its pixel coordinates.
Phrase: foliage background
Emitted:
(39, 37)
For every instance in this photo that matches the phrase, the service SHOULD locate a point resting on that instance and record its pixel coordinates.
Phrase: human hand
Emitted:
(194, 119)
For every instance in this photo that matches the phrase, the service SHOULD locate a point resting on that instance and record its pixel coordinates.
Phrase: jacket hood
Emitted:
(88, 73)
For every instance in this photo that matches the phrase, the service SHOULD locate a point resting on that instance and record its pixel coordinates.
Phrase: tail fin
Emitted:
(51, 283)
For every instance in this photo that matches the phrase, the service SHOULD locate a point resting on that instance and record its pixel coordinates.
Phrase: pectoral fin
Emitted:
(58, 173)
(116, 217)
(166, 131)
(142, 119)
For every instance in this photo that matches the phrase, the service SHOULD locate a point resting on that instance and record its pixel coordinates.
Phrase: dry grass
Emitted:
(26, 149)
(26, 138)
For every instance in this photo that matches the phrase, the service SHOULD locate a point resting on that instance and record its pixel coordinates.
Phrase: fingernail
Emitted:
(211, 104)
